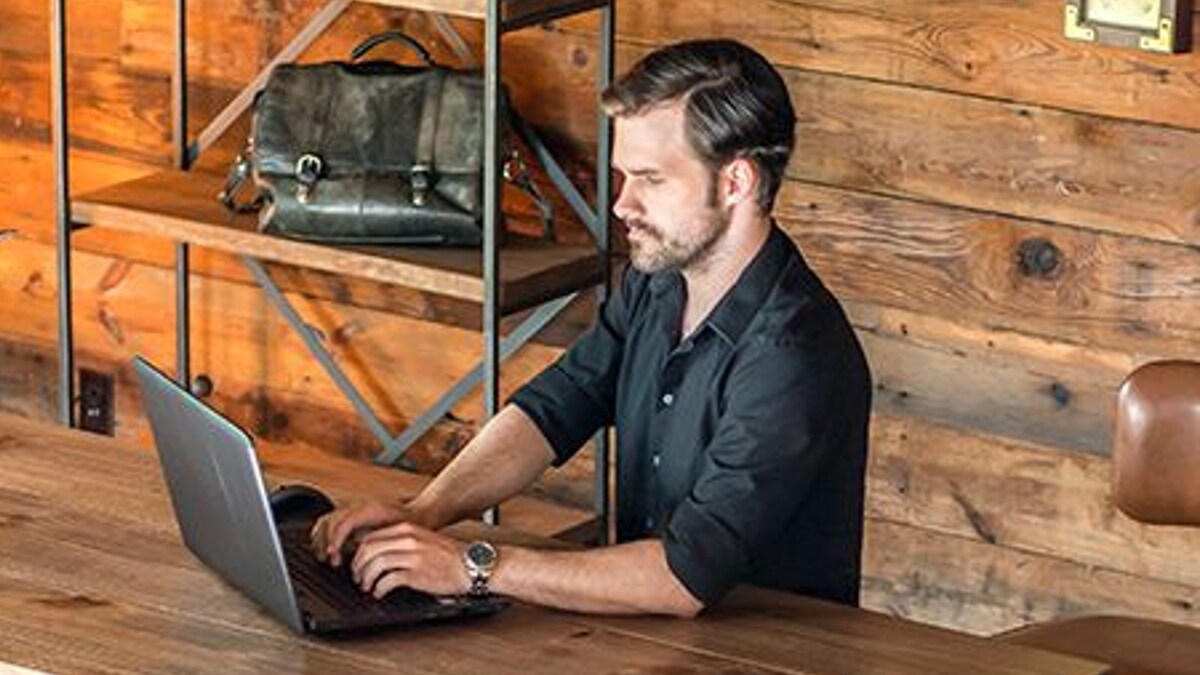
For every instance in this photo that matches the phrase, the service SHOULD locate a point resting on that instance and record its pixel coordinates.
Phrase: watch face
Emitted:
(481, 555)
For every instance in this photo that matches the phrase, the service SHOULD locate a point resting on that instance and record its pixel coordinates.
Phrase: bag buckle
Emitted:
(308, 171)
(421, 179)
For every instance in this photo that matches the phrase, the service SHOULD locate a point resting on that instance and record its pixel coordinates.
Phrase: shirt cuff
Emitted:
(700, 555)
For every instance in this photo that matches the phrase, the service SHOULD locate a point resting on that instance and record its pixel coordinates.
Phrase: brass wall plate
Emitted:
(1153, 25)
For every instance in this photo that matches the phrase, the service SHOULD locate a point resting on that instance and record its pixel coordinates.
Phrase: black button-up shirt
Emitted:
(743, 445)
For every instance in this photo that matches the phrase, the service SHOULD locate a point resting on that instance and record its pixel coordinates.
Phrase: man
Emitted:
(738, 390)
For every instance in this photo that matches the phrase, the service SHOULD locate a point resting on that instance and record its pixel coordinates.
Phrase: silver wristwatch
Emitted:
(480, 560)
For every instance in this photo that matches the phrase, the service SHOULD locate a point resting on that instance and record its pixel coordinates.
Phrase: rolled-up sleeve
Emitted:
(777, 429)
(576, 395)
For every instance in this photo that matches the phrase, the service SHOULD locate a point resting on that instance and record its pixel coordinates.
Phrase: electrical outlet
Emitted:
(96, 402)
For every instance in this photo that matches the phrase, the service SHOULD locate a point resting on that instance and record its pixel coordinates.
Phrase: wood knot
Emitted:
(1061, 394)
(1039, 258)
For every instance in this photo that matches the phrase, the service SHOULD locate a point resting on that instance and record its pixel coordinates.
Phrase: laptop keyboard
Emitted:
(334, 586)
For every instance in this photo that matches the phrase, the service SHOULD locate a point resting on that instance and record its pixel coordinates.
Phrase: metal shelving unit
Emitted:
(547, 278)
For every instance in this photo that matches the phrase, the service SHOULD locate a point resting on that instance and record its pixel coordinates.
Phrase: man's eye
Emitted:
(654, 180)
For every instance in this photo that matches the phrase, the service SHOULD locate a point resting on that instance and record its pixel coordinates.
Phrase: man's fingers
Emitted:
(390, 582)
(339, 531)
(391, 532)
(378, 566)
(339, 527)
(376, 544)
(320, 535)
(316, 538)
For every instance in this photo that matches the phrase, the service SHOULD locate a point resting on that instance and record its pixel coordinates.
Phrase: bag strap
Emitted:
(516, 171)
(422, 170)
(238, 173)
(391, 36)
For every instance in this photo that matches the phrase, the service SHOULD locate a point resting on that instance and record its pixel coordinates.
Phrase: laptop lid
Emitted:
(218, 493)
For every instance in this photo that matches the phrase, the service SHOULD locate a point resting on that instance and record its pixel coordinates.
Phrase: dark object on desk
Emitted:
(299, 502)
(1156, 479)
(226, 520)
(372, 152)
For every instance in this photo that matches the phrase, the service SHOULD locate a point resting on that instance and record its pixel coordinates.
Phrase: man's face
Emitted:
(668, 197)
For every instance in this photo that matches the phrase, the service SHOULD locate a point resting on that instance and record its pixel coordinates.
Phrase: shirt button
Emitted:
(668, 398)
(655, 460)
(649, 523)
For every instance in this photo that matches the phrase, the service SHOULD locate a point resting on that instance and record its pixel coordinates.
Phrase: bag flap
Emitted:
(365, 118)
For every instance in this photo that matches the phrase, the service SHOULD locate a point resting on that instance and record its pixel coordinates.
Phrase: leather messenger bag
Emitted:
(371, 152)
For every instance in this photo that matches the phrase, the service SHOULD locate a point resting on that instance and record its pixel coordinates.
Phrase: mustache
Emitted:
(639, 224)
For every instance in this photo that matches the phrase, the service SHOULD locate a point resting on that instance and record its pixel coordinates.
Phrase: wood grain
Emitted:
(138, 575)
(1082, 170)
(1108, 291)
(762, 634)
(1019, 496)
(948, 580)
(1018, 386)
(1011, 51)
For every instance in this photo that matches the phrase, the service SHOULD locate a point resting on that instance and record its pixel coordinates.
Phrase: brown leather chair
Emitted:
(1155, 479)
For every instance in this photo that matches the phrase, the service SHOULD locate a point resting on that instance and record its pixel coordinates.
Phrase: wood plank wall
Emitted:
(1012, 218)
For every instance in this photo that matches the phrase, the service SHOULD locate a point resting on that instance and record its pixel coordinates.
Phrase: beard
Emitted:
(656, 252)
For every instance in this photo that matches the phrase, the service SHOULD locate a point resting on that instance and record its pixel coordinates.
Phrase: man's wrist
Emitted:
(413, 511)
(480, 560)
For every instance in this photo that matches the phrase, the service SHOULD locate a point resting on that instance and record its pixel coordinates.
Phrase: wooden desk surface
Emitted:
(94, 578)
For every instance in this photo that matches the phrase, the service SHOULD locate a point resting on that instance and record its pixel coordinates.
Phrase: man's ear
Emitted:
(739, 182)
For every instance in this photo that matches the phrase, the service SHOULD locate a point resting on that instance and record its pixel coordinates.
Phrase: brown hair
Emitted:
(737, 105)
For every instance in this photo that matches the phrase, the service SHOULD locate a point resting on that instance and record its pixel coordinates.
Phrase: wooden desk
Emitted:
(93, 578)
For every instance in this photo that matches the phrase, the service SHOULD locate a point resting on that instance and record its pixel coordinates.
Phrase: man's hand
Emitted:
(412, 556)
(334, 529)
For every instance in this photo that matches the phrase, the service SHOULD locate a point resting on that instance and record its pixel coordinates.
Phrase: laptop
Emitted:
(224, 514)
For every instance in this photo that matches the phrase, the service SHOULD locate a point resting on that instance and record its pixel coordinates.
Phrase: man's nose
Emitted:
(626, 205)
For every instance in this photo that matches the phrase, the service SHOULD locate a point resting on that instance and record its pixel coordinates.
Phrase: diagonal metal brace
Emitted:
(514, 341)
(321, 21)
(395, 447)
(559, 178)
(318, 350)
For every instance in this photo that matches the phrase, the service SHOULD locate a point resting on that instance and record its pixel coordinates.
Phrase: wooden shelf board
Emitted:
(183, 206)
(513, 13)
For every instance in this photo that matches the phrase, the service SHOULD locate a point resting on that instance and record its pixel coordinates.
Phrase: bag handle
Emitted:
(391, 36)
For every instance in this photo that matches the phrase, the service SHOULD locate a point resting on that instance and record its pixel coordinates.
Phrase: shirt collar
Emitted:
(741, 302)
(734, 312)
